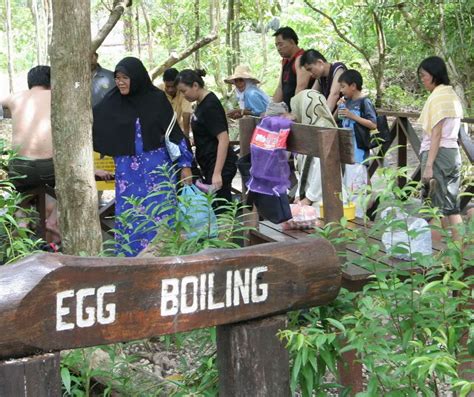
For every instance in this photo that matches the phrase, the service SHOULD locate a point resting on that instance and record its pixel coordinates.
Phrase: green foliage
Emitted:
(408, 323)
(16, 239)
(174, 228)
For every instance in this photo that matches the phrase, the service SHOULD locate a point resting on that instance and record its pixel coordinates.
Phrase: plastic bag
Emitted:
(398, 243)
(197, 213)
(303, 217)
(172, 148)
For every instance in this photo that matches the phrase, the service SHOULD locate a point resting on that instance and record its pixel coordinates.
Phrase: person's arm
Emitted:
(278, 95)
(186, 124)
(335, 91)
(302, 76)
(366, 122)
(222, 147)
(316, 86)
(433, 152)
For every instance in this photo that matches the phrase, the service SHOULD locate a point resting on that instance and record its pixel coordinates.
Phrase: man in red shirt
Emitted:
(293, 77)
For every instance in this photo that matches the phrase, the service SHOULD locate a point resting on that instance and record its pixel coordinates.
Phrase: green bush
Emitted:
(408, 323)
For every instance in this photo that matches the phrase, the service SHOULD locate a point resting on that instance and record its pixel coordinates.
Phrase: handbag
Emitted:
(197, 213)
(173, 149)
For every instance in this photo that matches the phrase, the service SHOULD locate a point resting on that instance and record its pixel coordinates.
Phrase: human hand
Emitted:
(345, 113)
(103, 175)
(427, 174)
(217, 181)
(305, 201)
(186, 176)
(234, 114)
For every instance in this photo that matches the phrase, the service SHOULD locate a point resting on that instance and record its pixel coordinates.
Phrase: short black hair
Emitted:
(311, 56)
(352, 76)
(287, 34)
(39, 76)
(436, 67)
(189, 77)
(170, 74)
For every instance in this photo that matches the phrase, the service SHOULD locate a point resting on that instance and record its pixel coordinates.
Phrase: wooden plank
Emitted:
(304, 139)
(251, 359)
(51, 302)
(32, 376)
(467, 143)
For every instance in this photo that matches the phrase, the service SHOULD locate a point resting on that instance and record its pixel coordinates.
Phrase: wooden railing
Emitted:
(51, 302)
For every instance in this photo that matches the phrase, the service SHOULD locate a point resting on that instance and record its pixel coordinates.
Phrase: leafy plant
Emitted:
(16, 239)
(411, 326)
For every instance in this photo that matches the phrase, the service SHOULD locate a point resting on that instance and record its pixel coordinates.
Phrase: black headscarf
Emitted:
(114, 117)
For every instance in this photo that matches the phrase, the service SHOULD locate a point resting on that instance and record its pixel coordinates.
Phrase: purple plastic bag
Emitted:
(270, 172)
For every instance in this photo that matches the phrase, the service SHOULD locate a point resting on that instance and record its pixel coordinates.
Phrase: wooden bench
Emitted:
(52, 302)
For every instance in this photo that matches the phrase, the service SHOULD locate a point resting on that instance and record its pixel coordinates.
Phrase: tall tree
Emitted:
(444, 39)
(376, 13)
(8, 22)
(72, 132)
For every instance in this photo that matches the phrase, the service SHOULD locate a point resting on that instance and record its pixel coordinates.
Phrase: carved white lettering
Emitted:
(169, 294)
(85, 315)
(196, 293)
(63, 311)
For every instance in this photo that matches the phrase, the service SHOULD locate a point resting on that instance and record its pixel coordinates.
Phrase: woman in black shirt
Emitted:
(210, 132)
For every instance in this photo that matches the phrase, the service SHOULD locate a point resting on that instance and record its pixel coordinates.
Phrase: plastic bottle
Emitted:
(342, 106)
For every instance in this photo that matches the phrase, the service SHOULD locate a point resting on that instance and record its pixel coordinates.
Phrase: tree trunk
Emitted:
(236, 35)
(8, 11)
(197, 33)
(149, 37)
(263, 37)
(228, 36)
(128, 30)
(71, 122)
(137, 26)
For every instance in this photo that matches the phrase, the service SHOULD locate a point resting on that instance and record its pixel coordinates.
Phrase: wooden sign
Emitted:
(54, 302)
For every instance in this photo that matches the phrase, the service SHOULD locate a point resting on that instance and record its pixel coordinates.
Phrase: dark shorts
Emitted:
(447, 172)
(29, 173)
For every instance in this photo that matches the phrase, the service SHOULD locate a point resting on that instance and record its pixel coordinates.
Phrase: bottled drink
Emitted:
(342, 106)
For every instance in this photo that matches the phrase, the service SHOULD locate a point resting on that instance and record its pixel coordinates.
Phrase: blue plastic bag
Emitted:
(197, 213)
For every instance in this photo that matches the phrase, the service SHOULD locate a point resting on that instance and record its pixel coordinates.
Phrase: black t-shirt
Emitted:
(208, 121)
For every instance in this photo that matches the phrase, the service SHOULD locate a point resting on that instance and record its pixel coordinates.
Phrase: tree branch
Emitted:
(118, 9)
(175, 58)
(412, 23)
(339, 32)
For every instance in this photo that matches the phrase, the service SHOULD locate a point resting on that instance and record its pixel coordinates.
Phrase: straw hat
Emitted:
(241, 72)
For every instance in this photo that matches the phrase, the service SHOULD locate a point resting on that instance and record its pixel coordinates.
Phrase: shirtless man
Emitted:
(32, 139)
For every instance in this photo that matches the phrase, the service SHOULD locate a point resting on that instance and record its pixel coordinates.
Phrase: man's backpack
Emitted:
(366, 139)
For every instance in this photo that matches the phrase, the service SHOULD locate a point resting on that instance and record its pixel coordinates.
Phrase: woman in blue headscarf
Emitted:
(252, 100)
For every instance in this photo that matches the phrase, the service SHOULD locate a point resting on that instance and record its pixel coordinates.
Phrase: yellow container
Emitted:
(107, 164)
(349, 211)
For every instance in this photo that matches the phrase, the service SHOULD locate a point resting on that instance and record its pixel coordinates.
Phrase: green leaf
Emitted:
(336, 324)
(66, 379)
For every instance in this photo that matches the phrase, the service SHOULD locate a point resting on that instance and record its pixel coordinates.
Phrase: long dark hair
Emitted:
(189, 77)
(436, 67)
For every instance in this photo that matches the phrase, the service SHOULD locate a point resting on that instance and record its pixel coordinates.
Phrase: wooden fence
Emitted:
(52, 302)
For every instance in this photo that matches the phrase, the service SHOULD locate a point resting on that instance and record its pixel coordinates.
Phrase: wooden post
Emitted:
(246, 127)
(331, 181)
(350, 373)
(251, 359)
(36, 376)
(402, 151)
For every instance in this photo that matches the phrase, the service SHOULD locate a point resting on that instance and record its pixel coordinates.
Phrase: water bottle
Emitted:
(342, 106)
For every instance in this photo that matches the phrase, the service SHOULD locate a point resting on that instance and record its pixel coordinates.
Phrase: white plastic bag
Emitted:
(410, 234)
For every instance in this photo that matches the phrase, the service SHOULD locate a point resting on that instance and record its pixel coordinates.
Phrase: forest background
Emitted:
(384, 39)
